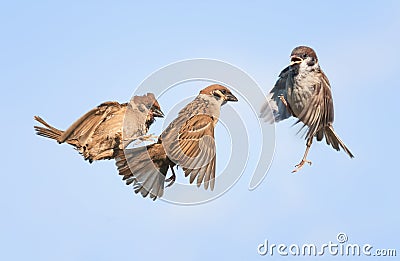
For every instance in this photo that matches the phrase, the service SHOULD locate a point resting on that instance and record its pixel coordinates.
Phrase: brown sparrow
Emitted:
(188, 141)
(303, 91)
(101, 132)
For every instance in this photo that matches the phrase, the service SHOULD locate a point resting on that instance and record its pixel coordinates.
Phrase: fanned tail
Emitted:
(333, 139)
(48, 132)
(144, 167)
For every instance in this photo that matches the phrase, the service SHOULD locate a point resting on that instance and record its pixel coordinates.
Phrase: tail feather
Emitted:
(333, 139)
(145, 168)
(48, 132)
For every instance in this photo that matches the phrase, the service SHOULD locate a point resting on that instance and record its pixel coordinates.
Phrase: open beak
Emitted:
(230, 97)
(295, 59)
(157, 113)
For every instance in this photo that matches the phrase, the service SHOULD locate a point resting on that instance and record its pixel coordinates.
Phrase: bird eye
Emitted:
(217, 93)
(223, 91)
(304, 56)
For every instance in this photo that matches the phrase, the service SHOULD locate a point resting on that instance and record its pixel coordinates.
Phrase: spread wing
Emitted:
(145, 168)
(194, 150)
(83, 129)
(279, 110)
(319, 112)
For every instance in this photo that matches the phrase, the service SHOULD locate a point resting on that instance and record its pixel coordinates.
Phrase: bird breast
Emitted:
(134, 122)
(300, 89)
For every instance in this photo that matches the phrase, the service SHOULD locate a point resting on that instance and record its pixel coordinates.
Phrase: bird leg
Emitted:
(149, 137)
(171, 179)
(138, 140)
(283, 100)
(304, 160)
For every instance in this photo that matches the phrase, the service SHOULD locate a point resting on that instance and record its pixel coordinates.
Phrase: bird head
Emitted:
(219, 92)
(151, 103)
(303, 54)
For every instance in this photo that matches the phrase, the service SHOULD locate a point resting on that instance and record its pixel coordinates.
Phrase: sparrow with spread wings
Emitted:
(103, 131)
(303, 91)
(188, 141)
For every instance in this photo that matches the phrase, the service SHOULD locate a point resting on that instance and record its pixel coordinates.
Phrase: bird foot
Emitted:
(149, 137)
(171, 180)
(138, 140)
(283, 100)
(301, 164)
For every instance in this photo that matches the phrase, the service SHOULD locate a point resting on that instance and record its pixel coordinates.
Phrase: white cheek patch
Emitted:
(306, 67)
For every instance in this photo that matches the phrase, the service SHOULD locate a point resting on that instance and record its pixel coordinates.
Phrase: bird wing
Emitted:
(145, 168)
(85, 126)
(279, 110)
(194, 149)
(319, 111)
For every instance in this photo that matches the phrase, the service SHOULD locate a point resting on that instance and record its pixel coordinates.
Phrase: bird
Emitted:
(106, 129)
(303, 91)
(188, 142)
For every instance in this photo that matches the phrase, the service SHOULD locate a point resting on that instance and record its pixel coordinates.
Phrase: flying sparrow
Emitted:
(101, 133)
(303, 91)
(188, 141)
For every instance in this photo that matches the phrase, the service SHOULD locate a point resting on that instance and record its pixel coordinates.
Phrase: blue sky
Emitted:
(60, 59)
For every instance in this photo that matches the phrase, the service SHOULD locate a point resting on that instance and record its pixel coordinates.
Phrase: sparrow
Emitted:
(303, 91)
(188, 142)
(101, 133)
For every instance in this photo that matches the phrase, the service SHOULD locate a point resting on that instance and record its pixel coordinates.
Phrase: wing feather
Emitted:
(319, 112)
(279, 110)
(85, 126)
(194, 149)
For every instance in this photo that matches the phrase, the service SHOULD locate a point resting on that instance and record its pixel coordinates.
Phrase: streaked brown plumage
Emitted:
(188, 141)
(304, 91)
(101, 133)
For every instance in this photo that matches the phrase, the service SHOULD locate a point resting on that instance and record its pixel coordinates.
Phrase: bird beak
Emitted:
(230, 97)
(157, 113)
(295, 59)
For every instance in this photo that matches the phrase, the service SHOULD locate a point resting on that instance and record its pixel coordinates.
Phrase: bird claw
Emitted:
(171, 180)
(301, 164)
(283, 100)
